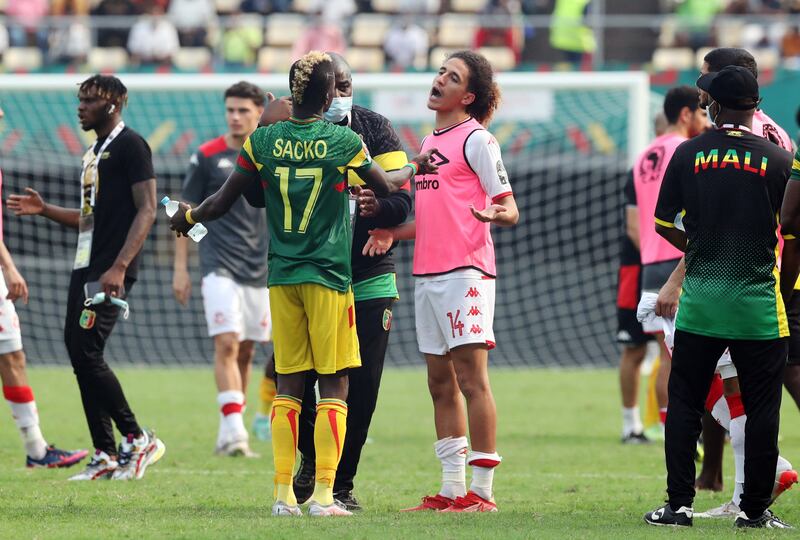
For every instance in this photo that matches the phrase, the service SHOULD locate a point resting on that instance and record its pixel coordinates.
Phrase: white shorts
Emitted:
(232, 307)
(454, 309)
(725, 366)
(10, 335)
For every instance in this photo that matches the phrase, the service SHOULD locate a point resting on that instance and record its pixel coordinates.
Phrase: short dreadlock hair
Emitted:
(108, 87)
(310, 78)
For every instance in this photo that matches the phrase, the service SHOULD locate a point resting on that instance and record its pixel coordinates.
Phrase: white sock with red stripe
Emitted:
(738, 421)
(231, 408)
(23, 409)
(452, 452)
(483, 466)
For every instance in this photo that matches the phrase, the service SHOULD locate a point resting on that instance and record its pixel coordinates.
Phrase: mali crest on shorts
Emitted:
(302, 165)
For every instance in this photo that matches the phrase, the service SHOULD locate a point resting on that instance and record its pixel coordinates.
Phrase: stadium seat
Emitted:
(305, 6)
(501, 58)
(274, 59)
(437, 56)
(729, 32)
(283, 29)
(669, 58)
(468, 6)
(386, 6)
(766, 58)
(701, 53)
(107, 59)
(457, 30)
(369, 30)
(666, 37)
(22, 59)
(192, 58)
(227, 6)
(366, 58)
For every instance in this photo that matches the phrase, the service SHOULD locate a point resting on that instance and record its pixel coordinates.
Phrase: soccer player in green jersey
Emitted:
(302, 164)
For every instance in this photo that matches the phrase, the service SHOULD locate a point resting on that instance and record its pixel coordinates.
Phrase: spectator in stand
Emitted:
(153, 39)
(70, 43)
(790, 47)
(192, 18)
(24, 23)
(3, 47)
(568, 32)
(404, 43)
(695, 17)
(70, 7)
(322, 35)
(241, 41)
(114, 37)
(502, 31)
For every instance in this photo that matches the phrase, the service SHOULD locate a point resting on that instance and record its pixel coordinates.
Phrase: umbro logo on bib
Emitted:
(225, 163)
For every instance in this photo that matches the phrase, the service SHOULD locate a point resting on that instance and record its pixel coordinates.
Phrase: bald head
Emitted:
(344, 77)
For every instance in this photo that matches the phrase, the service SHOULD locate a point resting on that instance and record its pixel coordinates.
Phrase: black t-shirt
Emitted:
(728, 184)
(127, 160)
(385, 148)
(628, 254)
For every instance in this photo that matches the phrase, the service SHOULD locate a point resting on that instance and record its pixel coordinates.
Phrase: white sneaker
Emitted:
(101, 467)
(727, 510)
(135, 455)
(280, 508)
(262, 427)
(335, 509)
(236, 446)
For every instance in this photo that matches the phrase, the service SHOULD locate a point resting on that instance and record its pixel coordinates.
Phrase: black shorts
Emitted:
(629, 290)
(793, 314)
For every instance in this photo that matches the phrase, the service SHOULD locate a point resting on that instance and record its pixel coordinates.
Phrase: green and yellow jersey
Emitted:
(303, 167)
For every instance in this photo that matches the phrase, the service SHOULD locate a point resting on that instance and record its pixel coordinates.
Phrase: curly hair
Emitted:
(107, 87)
(309, 79)
(481, 83)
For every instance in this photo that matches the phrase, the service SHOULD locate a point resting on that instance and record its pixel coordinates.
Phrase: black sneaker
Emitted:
(667, 517)
(347, 499)
(635, 438)
(303, 482)
(767, 520)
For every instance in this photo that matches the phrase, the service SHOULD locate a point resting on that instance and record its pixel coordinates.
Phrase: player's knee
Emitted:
(442, 388)
(14, 360)
(226, 347)
(473, 386)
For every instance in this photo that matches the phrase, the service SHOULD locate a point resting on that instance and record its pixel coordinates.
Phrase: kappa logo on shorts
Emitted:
(219, 317)
(87, 319)
(472, 292)
(387, 319)
(476, 329)
(474, 311)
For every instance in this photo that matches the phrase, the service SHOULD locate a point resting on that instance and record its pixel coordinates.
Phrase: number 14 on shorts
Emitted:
(455, 323)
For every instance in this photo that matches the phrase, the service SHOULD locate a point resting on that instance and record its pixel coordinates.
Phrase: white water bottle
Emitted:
(197, 232)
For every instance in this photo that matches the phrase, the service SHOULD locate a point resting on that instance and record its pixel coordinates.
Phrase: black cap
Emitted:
(733, 87)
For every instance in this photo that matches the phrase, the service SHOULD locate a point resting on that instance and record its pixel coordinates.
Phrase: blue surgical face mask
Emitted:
(339, 109)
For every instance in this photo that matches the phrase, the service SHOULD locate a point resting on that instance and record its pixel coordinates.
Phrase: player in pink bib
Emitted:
(454, 266)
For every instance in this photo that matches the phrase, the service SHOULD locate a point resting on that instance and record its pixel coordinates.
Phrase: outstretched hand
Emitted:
(379, 242)
(424, 163)
(30, 204)
(277, 110)
(368, 203)
(489, 214)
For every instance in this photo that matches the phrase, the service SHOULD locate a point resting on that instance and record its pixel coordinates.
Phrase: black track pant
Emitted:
(101, 393)
(364, 385)
(760, 364)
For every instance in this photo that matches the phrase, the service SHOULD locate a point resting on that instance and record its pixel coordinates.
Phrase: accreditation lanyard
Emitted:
(90, 181)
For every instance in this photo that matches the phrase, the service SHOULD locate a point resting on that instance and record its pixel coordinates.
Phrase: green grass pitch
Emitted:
(564, 474)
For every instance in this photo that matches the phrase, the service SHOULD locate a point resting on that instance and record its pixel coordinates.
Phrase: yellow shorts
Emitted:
(313, 327)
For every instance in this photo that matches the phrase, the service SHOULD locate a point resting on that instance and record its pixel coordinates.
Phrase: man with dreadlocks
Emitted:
(118, 207)
(303, 165)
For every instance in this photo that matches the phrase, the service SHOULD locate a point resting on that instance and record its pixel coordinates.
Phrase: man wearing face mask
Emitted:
(374, 287)
(728, 185)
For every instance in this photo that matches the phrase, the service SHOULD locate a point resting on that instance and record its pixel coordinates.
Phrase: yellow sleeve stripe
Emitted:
(665, 223)
(796, 165)
(789, 237)
(248, 148)
(391, 161)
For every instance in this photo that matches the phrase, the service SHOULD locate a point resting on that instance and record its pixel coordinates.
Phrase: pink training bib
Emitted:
(648, 172)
